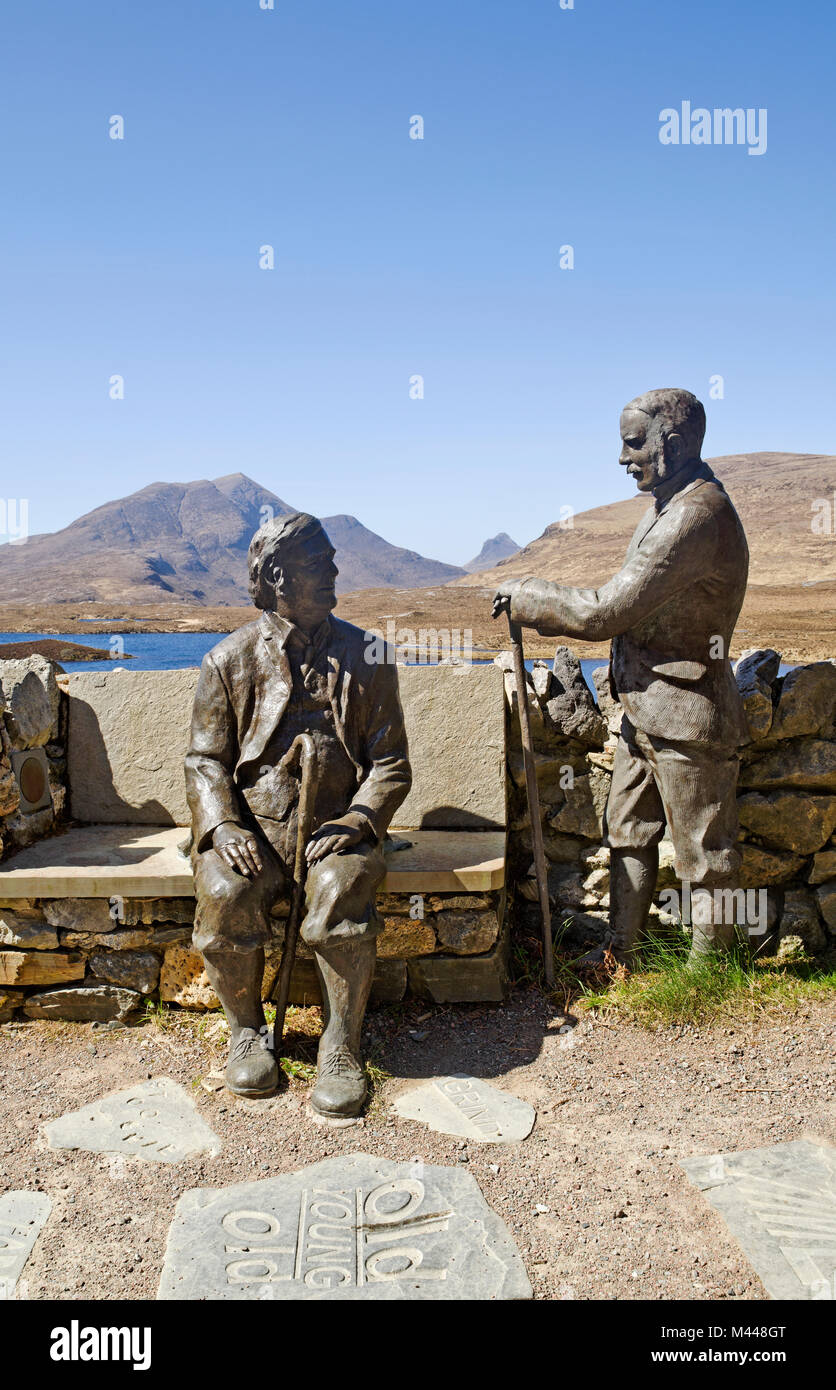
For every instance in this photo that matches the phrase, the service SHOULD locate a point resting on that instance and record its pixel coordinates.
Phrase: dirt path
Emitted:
(617, 1108)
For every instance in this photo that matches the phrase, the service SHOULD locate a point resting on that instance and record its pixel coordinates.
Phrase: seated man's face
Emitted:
(642, 450)
(306, 593)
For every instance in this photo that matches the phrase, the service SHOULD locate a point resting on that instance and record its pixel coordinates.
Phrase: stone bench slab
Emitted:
(104, 861)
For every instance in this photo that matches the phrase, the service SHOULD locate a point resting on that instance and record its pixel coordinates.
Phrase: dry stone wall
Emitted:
(94, 959)
(786, 799)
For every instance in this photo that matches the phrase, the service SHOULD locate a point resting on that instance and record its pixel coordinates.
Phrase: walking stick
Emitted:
(302, 753)
(533, 798)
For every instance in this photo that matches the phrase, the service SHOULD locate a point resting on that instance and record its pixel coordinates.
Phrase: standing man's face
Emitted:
(305, 592)
(642, 450)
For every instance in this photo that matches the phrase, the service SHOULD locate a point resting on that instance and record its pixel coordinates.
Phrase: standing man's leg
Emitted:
(699, 789)
(635, 823)
(633, 874)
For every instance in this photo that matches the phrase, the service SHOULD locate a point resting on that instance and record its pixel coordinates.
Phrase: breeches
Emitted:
(233, 912)
(689, 787)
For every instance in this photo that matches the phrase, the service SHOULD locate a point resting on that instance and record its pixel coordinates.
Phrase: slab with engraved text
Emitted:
(780, 1204)
(354, 1227)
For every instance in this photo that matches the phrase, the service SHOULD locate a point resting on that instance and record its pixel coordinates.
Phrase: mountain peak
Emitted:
(495, 549)
(188, 542)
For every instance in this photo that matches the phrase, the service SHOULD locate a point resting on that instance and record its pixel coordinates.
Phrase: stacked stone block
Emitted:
(94, 959)
(33, 714)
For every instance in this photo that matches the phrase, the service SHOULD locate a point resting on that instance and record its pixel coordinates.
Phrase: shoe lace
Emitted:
(340, 1063)
(249, 1041)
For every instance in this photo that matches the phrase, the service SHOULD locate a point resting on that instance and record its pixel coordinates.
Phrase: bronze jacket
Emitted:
(671, 611)
(243, 691)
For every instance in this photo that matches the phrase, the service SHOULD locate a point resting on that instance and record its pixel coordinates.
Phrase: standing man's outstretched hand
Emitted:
(502, 597)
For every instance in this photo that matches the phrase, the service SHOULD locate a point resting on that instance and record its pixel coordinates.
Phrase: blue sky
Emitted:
(397, 257)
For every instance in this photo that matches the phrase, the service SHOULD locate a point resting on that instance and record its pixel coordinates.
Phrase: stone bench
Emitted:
(103, 909)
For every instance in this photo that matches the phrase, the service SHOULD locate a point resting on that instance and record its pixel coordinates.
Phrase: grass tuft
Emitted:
(157, 1013)
(663, 989)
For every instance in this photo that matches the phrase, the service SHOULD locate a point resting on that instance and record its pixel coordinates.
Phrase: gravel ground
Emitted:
(594, 1198)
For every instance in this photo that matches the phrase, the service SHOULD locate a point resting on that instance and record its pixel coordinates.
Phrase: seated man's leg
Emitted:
(635, 823)
(232, 925)
(700, 791)
(341, 925)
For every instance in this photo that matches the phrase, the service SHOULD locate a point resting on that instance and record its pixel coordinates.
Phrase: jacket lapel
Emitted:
(339, 690)
(653, 516)
(272, 689)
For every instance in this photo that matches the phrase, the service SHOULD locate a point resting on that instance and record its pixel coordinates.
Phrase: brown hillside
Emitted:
(773, 493)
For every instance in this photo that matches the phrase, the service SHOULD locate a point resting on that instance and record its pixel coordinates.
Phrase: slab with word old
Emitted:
(354, 1227)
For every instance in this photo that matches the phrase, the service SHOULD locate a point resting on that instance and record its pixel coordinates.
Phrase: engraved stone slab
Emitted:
(22, 1217)
(780, 1205)
(154, 1120)
(354, 1227)
(471, 1108)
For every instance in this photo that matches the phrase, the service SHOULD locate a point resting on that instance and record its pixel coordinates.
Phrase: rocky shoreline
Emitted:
(52, 649)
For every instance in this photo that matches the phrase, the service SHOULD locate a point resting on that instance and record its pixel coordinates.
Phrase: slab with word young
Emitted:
(154, 1120)
(468, 1107)
(355, 1227)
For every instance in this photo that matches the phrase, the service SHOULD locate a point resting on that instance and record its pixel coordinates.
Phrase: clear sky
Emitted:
(395, 257)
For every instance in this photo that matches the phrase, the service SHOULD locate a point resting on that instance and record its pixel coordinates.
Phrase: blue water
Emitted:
(165, 651)
(152, 651)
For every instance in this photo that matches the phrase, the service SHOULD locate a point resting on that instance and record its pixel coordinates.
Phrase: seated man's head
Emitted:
(661, 433)
(292, 570)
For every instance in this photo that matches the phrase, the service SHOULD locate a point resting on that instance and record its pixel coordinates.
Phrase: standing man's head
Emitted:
(661, 433)
(292, 570)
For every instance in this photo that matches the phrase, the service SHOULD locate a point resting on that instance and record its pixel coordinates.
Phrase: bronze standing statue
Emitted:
(296, 670)
(671, 612)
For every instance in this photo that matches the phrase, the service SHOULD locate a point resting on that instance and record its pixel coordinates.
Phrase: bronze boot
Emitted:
(633, 875)
(345, 974)
(236, 978)
(251, 1070)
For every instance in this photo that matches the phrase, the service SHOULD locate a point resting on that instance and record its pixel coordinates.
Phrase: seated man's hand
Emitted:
(238, 848)
(335, 835)
(502, 597)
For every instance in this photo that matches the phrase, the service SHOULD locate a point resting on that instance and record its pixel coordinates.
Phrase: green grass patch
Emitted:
(296, 1070)
(157, 1013)
(665, 989)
